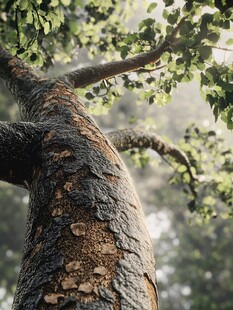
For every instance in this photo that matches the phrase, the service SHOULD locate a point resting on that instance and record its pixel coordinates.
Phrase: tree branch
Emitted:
(20, 78)
(127, 139)
(19, 144)
(93, 74)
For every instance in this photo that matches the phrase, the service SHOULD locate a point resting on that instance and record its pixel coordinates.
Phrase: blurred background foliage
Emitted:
(193, 250)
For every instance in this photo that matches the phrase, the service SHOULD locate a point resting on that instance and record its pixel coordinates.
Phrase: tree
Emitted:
(86, 244)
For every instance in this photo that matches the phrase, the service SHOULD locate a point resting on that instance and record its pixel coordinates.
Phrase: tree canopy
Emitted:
(42, 32)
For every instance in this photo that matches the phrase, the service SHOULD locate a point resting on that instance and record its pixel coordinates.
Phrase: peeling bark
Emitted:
(86, 244)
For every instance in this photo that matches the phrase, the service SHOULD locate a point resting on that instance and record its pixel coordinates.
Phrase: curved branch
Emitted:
(127, 139)
(19, 143)
(93, 74)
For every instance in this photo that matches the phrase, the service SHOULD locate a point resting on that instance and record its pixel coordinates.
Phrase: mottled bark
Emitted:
(127, 139)
(86, 244)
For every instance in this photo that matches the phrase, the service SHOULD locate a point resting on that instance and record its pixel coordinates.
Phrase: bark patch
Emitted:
(73, 266)
(78, 229)
(151, 293)
(53, 298)
(86, 287)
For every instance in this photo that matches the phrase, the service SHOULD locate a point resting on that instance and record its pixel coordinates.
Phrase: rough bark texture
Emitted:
(86, 244)
(127, 139)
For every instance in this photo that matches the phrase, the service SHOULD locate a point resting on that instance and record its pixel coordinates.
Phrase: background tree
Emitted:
(219, 79)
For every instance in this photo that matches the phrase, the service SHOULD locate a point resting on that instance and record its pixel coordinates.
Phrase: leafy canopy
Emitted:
(45, 31)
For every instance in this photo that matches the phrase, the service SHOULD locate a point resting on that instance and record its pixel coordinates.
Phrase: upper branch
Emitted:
(19, 150)
(90, 75)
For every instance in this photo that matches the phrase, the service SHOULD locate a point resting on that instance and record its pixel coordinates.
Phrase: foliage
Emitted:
(28, 28)
(212, 166)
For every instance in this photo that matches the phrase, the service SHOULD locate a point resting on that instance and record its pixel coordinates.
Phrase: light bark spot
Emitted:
(100, 270)
(69, 283)
(96, 290)
(86, 287)
(78, 229)
(49, 135)
(152, 293)
(63, 154)
(36, 249)
(38, 231)
(53, 298)
(108, 248)
(46, 104)
(57, 212)
(72, 266)
(58, 194)
(68, 186)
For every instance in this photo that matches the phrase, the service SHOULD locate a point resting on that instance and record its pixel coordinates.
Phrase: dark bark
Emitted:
(86, 244)
(19, 152)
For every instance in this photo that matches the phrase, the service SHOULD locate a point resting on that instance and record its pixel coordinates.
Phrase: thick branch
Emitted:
(21, 80)
(93, 74)
(18, 152)
(127, 139)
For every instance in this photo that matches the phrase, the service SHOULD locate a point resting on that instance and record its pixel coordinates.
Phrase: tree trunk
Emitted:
(86, 244)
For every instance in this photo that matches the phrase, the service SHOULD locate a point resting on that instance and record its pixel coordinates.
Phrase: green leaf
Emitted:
(151, 7)
(226, 86)
(173, 17)
(213, 37)
(29, 18)
(230, 126)
(146, 23)
(24, 4)
(54, 3)
(124, 51)
(216, 113)
(89, 95)
(205, 52)
(226, 24)
(229, 41)
(168, 2)
(46, 28)
(165, 14)
(66, 2)
(182, 169)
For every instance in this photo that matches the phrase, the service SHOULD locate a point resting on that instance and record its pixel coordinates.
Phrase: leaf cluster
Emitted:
(212, 164)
